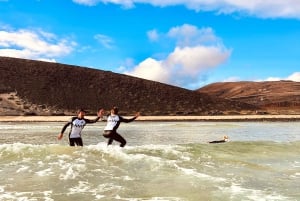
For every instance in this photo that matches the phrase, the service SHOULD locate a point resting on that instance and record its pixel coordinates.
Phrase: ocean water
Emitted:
(161, 161)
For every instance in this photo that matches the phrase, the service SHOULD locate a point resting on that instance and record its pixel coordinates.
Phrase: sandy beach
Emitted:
(161, 118)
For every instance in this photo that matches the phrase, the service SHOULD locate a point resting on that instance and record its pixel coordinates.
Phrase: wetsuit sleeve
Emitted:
(122, 119)
(66, 125)
(90, 121)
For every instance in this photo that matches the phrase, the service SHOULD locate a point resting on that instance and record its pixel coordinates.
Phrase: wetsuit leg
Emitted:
(108, 134)
(110, 141)
(77, 141)
(72, 142)
(120, 139)
(114, 136)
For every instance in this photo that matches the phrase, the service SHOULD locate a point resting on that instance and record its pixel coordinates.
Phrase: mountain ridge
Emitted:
(275, 97)
(30, 87)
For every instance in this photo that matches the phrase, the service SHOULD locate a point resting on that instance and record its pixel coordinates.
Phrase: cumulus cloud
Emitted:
(33, 44)
(294, 77)
(188, 35)
(151, 69)
(195, 52)
(260, 8)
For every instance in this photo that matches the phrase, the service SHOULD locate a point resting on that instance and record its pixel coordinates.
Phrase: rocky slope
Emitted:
(43, 88)
(276, 97)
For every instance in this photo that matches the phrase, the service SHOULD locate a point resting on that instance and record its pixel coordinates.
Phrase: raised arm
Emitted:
(99, 115)
(122, 119)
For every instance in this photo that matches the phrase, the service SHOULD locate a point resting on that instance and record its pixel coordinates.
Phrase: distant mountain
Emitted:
(275, 97)
(42, 88)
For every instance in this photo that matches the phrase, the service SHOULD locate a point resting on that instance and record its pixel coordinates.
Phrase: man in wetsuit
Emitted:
(77, 124)
(113, 122)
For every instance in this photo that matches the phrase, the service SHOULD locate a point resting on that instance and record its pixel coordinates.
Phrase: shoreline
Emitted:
(161, 118)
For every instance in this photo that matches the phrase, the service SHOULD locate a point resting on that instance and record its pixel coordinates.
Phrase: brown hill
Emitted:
(276, 97)
(44, 88)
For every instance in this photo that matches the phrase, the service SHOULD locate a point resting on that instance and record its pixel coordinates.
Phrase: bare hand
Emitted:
(60, 136)
(137, 114)
(100, 112)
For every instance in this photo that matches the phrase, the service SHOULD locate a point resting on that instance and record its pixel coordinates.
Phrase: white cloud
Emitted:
(87, 2)
(151, 69)
(260, 8)
(294, 77)
(104, 40)
(272, 79)
(193, 60)
(33, 44)
(153, 35)
(188, 61)
(123, 3)
(232, 79)
(188, 35)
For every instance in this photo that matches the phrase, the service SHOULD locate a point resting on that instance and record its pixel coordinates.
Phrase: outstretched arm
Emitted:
(131, 119)
(99, 115)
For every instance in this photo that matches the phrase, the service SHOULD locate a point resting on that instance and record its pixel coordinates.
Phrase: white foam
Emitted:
(98, 197)
(194, 173)
(236, 191)
(26, 196)
(2, 189)
(295, 176)
(45, 172)
(80, 188)
(72, 171)
(47, 195)
(163, 199)
(23, 168)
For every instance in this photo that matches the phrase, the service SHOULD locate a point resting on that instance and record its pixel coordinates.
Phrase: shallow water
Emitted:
(161, 161)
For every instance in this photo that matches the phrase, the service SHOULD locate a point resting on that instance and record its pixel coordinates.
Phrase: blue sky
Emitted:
(187, 43)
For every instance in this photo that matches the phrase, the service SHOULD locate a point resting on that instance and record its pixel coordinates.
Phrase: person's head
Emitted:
(225, 137)
(114, 110)
(81, 113)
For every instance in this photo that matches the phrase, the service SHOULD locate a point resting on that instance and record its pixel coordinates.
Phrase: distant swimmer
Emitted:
(225, 139)
(113, 123)
(77, 125)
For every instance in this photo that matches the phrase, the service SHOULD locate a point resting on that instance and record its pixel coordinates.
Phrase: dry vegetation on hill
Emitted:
(42, 88)
(276, 97)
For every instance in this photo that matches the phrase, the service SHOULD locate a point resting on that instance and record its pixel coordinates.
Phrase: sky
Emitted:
(186, 43)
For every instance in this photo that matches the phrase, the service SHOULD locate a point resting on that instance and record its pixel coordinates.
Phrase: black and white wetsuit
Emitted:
(110, 130)
(77, 124)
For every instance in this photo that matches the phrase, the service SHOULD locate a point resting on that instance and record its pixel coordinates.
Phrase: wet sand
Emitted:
(161, 118)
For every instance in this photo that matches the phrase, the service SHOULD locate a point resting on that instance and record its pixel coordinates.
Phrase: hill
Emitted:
(29, 87)
(275, 97)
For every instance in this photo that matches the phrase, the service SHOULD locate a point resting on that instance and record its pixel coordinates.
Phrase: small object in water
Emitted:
(225, 139)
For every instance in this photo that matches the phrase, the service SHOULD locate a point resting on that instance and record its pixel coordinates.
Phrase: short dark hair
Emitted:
(81, 110)
(115, 109)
